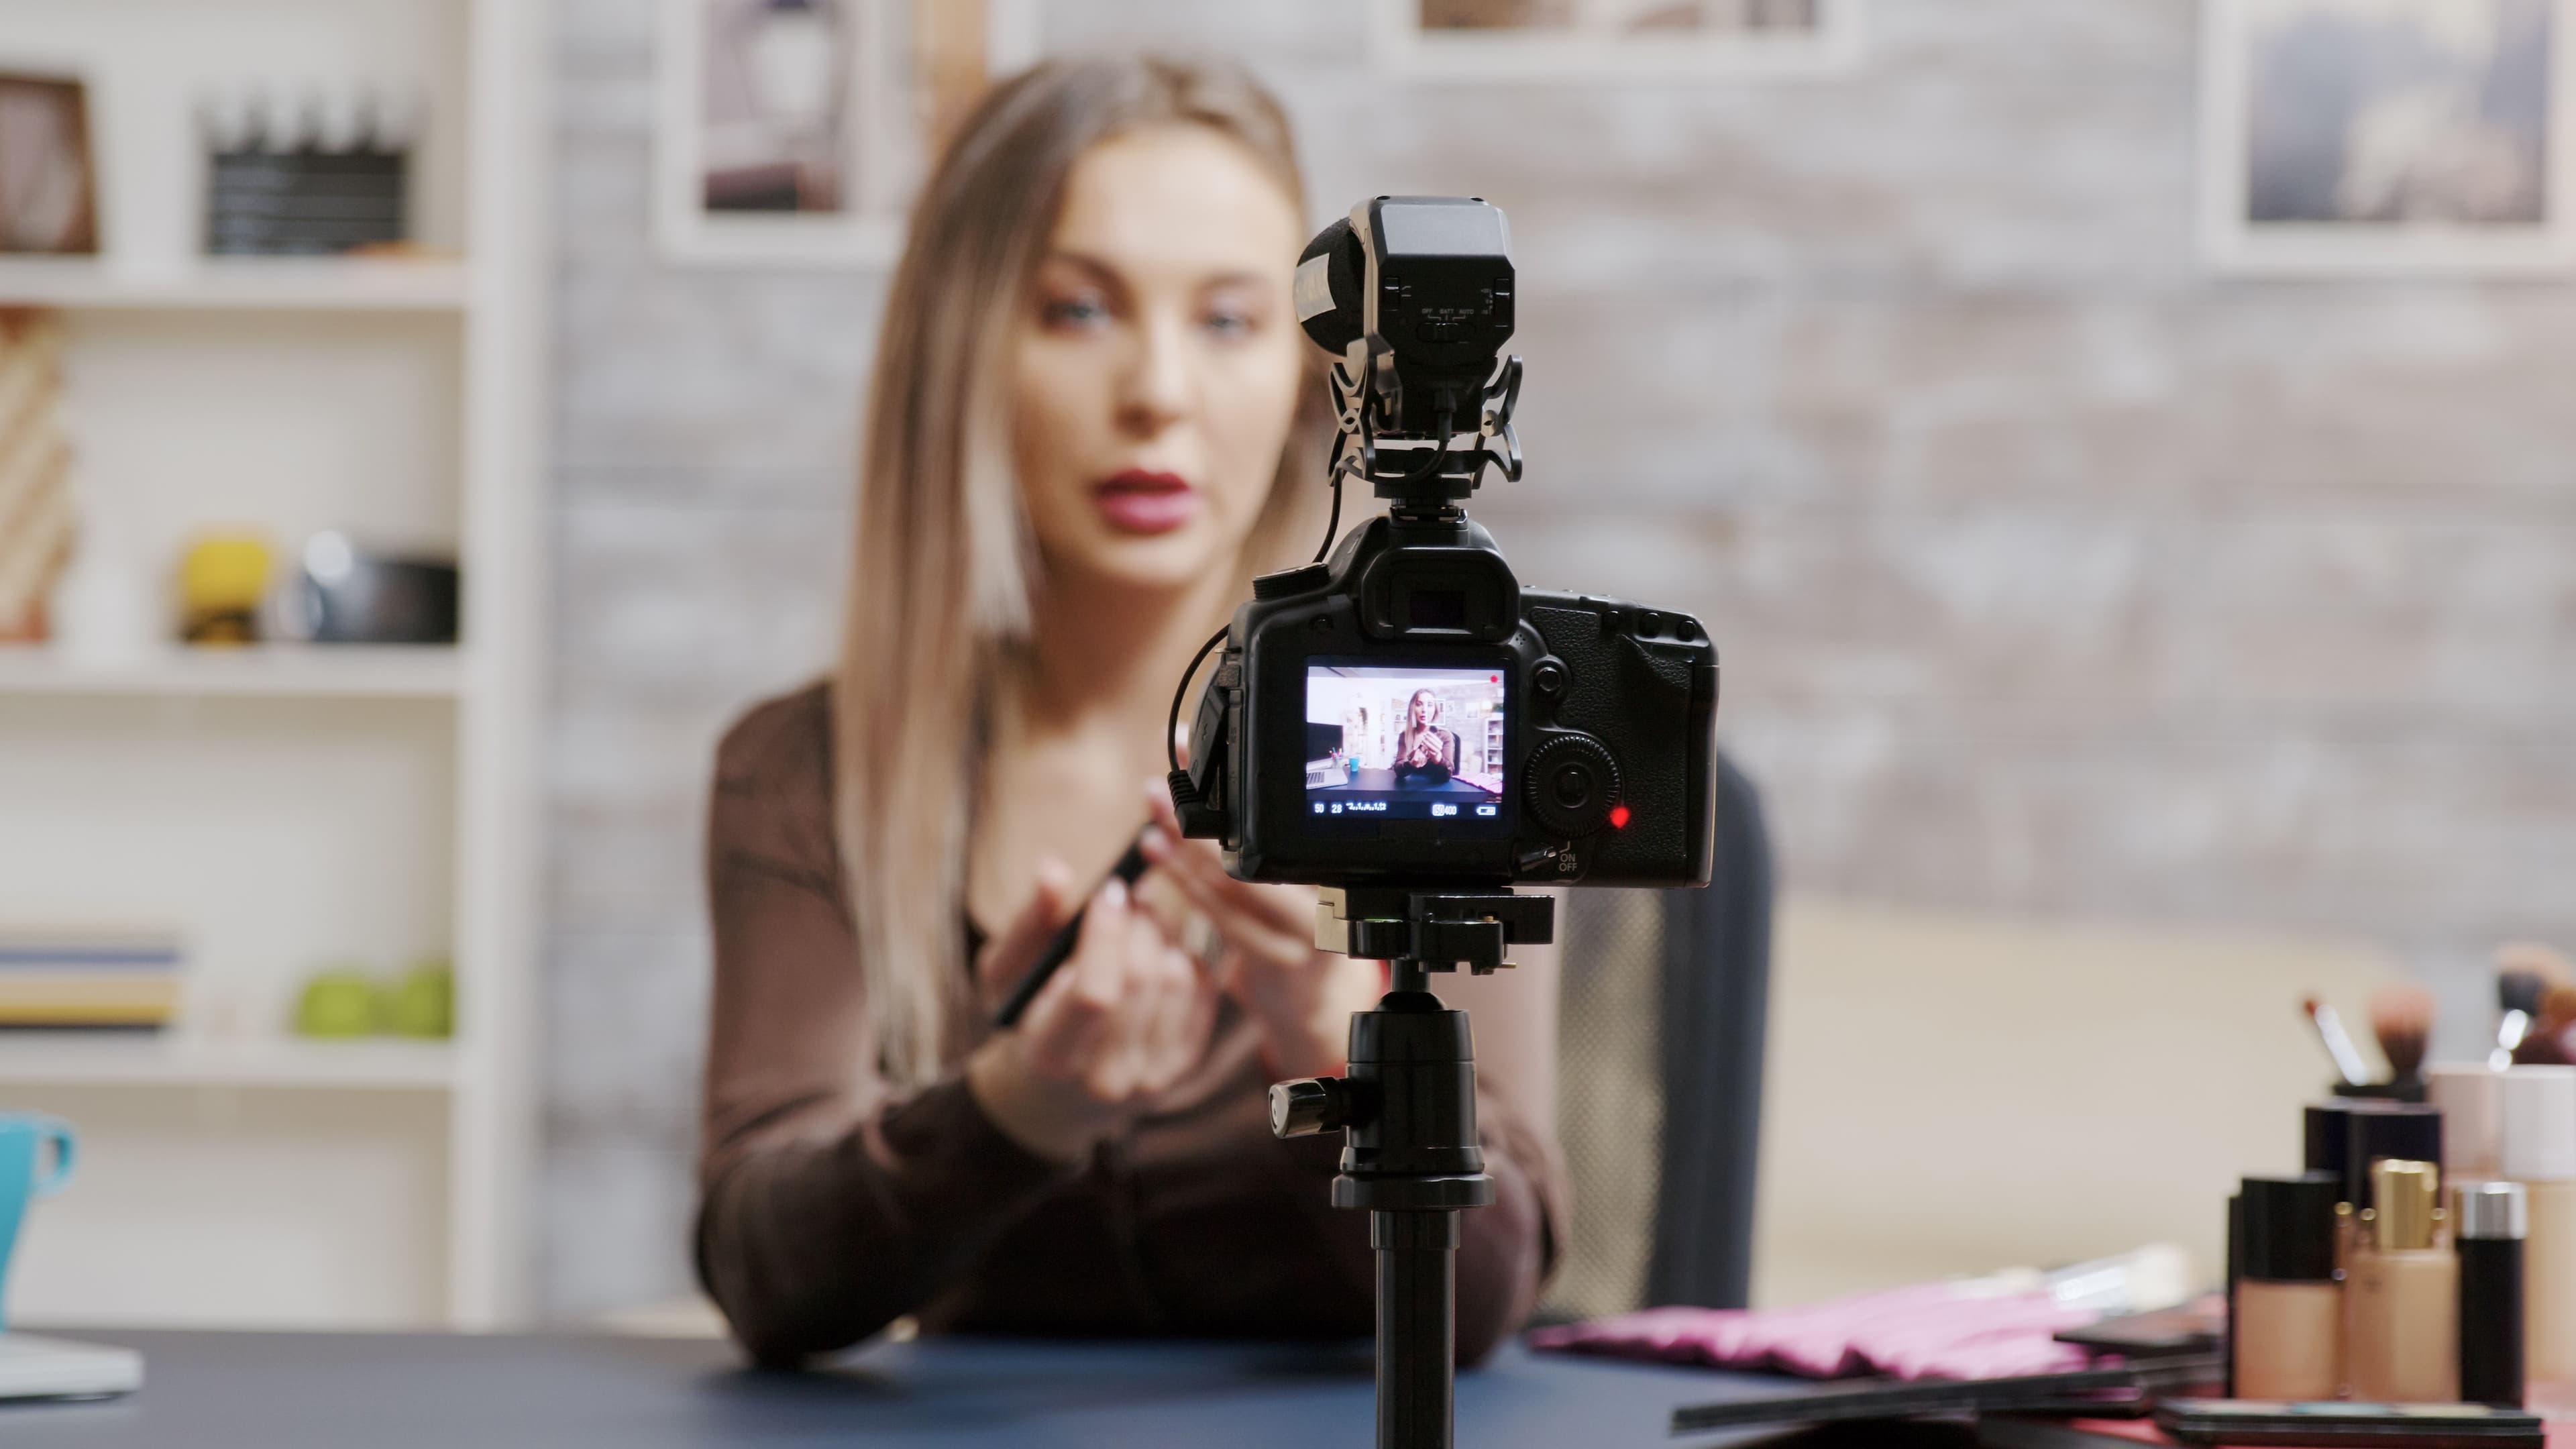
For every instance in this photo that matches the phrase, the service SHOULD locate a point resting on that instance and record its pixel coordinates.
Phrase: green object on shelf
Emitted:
(423, 1002)
(338, 1002)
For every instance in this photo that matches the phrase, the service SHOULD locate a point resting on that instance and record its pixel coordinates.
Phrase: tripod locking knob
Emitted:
(1309, 1105)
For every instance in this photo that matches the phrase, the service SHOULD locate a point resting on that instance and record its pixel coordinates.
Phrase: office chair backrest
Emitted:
(1659, 1079)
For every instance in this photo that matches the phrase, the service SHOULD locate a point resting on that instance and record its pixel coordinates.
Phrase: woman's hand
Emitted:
(1301, 998)
(1120, 1021)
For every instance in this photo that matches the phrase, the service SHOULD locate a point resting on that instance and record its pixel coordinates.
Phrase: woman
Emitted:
(1080, 445)
(1425, 754)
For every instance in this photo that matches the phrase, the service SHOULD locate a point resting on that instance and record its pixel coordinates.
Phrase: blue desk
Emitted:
(437, 1391)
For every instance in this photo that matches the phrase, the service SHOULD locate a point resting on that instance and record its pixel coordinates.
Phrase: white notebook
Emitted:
(54, 1368)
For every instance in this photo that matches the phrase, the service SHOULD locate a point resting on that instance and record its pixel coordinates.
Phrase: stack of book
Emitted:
(126, 979)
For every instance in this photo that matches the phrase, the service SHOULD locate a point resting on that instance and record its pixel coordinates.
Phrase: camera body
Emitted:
(1589, 762)
(1405, 713)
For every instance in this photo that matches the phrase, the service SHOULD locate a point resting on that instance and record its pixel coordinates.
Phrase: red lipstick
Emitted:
(1142, 501)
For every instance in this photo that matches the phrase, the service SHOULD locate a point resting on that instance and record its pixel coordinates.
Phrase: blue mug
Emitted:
(23, 1136)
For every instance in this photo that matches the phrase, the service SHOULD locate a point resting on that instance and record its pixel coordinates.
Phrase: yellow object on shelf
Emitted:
(422, 1001)
(339, 1001)
(222, 579)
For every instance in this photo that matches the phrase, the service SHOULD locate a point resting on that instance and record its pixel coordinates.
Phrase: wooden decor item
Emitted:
(48, 188)
(36, 514)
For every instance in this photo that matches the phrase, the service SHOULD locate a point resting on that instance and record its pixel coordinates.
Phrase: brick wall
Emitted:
(2052, 576)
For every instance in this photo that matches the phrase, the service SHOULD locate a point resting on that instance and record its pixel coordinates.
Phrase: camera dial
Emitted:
(1572, 785)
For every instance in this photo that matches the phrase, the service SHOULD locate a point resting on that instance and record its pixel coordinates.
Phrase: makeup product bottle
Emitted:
(2235, 1274)
(2327, 1135)
(2226, 1332)
(2539, 1119)
(2488, 1220)
(2406, 1131)
(2403, 1294)
(2471, 1098)
(2285, 1338)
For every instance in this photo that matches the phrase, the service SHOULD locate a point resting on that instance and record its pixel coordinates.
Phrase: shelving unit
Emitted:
(283, 808)
(289, 284)
(281, 671)
(123, 1060)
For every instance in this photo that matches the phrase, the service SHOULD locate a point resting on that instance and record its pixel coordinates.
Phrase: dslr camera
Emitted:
(1405, 713)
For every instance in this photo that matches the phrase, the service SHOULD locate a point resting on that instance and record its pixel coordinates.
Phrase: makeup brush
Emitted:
(2546, 1044)
(2518, 995)
(2338, 1042)
(2401, 1017)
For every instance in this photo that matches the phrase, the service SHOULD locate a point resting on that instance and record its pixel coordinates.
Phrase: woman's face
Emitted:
(1158, 367)
(1425, 710)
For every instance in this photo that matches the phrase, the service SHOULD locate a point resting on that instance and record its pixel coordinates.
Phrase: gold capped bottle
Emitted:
(2402, 1294)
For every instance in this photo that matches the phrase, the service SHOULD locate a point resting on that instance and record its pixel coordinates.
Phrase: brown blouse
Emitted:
(829, 1205)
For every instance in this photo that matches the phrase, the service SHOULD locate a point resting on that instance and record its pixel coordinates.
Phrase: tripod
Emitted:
(1408, 1114)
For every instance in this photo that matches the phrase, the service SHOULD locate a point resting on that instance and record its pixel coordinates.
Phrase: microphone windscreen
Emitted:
(1327, 292)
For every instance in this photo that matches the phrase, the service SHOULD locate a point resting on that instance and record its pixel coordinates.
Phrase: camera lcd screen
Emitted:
(1404, 743)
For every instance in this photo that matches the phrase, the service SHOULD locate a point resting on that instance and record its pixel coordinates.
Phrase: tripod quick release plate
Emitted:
(1441, 930)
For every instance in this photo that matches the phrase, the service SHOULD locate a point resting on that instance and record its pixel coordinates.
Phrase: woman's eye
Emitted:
(1074, 312)
(1228, 324)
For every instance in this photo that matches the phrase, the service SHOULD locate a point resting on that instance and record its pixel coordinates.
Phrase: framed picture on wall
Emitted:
(792, 132)
(1589, 40)
(2388, 136)
(48, 187)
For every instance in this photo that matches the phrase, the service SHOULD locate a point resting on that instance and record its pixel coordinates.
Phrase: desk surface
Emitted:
(416, 1391)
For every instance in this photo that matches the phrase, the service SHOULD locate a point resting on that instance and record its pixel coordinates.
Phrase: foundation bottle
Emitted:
(2539, 1151)
(2403, 1294)
(2285, 1335)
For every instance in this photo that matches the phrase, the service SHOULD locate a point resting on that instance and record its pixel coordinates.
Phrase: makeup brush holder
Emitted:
(314, 174)
(2410, 1089)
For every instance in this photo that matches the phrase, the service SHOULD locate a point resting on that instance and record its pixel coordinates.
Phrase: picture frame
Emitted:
(1595, 40)
(2386, 137)
(48, 171)
(787, 132)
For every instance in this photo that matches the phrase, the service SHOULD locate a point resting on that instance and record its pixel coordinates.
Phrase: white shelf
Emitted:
(292, 284)
(276, 804)
(49, 1058)
(307, 671)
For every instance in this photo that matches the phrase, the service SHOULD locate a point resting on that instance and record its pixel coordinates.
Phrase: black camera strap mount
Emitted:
(1407, 1112)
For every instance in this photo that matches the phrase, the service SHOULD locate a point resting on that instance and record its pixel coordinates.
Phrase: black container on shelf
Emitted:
(300, 187)
(305, 202)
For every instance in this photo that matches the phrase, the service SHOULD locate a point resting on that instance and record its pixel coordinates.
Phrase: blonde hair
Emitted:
(940, 592)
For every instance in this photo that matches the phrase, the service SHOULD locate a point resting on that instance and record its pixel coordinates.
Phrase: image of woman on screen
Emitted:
(1425, 754)
(1092, 421)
